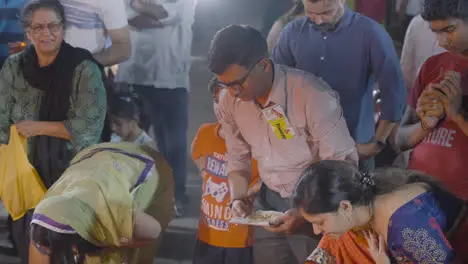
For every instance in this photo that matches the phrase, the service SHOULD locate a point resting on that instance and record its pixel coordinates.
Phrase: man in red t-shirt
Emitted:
(435, 123)
(374, 9)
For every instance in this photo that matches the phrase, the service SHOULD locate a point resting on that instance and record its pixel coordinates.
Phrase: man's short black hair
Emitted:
(236, 44)
(445, 9)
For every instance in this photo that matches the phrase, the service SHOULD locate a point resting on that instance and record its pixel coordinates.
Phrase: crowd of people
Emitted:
(299, 131)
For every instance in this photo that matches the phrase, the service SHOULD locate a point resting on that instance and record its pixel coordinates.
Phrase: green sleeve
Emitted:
(88, 106)
(6, 100)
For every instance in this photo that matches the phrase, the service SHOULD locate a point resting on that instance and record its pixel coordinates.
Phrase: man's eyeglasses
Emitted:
(236, 85)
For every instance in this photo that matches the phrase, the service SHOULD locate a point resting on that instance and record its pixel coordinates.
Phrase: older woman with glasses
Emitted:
(54, 94)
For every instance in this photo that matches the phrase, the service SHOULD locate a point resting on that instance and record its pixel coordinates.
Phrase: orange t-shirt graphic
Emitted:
(214, 227)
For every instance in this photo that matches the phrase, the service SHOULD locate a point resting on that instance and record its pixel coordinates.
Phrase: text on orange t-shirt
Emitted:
(214, 227)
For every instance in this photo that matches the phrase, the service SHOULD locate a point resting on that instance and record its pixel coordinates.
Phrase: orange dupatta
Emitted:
(350, 248)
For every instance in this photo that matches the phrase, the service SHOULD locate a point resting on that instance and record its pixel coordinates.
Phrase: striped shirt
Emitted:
(10, 28)
(89, 20)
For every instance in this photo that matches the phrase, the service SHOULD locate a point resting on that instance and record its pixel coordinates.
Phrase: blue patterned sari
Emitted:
(416, 233)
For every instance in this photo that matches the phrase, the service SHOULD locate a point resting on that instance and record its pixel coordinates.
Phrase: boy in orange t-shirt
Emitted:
(219, 242)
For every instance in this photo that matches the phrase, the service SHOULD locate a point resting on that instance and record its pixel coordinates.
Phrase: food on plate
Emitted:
(259, 218)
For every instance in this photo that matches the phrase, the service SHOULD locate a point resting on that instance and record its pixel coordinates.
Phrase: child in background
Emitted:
(219, 242)
(125, 121)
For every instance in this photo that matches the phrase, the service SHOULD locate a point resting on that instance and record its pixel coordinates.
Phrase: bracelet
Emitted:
(380, 144)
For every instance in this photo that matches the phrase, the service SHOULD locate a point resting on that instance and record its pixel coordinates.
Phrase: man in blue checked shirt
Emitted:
(350, 52)
(11, 32)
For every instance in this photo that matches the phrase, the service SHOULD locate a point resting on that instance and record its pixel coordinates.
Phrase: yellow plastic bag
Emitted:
(21, 188)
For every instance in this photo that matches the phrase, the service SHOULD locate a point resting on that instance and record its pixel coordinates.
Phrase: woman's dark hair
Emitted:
(34, 5)
(63, 248)
(445, 9)
(123, 106)
(325, 184)
(236, 45)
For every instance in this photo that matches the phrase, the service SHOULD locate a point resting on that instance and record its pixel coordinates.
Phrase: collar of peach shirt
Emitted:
(278, 94)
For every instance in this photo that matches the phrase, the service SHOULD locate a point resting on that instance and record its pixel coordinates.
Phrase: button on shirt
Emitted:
(349, 59)
(316, 116)
(161, 55)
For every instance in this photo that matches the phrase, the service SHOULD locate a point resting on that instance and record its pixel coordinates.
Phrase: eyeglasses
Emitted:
(51, 27)
(237, 85)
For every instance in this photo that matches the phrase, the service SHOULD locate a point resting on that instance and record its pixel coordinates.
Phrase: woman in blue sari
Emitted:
(414, 218)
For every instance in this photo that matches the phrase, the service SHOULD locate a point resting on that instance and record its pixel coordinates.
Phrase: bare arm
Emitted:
(144, 22)
(200, 163)
(387, 70)
(154, 11)
(54, 129)
(114, 16)
(119, 51)
(410, 132)
(384, 129)
(145, 228)
(169, 13)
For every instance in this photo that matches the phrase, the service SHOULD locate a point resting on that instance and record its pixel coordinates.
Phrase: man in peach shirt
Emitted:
(283, 117)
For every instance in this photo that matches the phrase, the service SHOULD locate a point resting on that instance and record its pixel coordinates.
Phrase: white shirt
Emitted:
(161, 56)
(413, 8)
(142, 139)
(420, 44)
(88, 20)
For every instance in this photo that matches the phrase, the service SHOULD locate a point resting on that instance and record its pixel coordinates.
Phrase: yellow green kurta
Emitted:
(96, 197)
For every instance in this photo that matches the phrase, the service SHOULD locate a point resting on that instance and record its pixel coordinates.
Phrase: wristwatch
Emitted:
(380, 144)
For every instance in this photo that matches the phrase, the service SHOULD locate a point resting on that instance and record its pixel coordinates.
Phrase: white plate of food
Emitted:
(259, 218)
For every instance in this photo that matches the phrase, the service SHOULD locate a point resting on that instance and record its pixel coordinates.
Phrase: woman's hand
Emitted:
(28, 128)
(377, 247)
(287, 223)
(145, 228)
